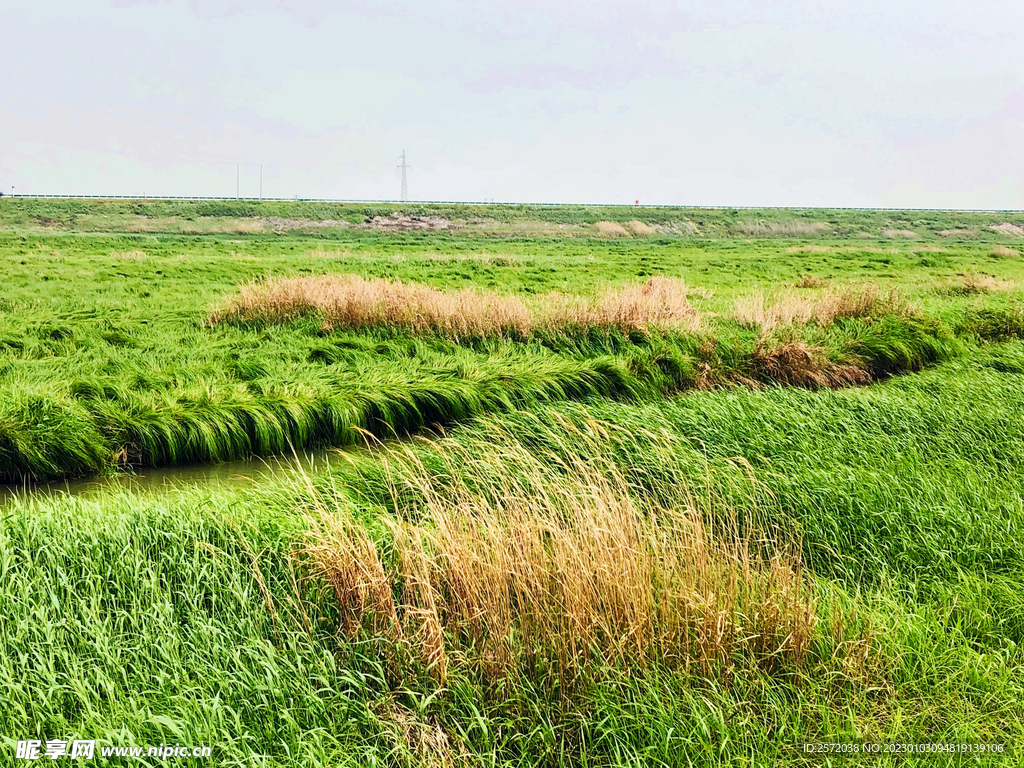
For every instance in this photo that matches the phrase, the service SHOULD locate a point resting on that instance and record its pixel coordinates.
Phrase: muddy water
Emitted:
(227, 474)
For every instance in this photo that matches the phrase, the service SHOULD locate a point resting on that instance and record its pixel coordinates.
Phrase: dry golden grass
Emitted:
(956, 233)
(794, 362)
(789, 309)
(907, 233)
(128, 255)
(639, 228)
(1008, 229)
(244, 226)
(611, 229)
(782, 228)
(973, 283)
(1004, 251)
(661, 302)
(140, 224)
(350, 301)
(525, 565)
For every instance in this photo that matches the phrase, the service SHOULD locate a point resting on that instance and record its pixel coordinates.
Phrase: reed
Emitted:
(853, 301)
(351, 302)
(507, 562)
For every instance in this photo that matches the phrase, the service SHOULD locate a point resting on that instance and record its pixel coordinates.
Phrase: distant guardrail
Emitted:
(506, 204)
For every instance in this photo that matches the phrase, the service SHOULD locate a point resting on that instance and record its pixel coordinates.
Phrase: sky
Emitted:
(879, 103)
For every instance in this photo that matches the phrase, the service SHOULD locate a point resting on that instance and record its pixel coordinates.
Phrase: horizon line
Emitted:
(221, 198)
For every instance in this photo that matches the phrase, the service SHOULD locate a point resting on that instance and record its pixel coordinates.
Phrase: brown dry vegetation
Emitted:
(1008, 229)
(794, 362)
(527, 567)
(956, 233)
(1005, 252)
(611, 229)
(639, 228)
(788, 309)
(782, 228)
(400, 222)
(973, 283)
(350, 301)
(907, 233)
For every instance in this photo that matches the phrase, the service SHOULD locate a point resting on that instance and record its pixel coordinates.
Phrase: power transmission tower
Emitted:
(405, 185)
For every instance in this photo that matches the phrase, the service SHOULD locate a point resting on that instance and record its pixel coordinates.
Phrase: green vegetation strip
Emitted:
(114, 410)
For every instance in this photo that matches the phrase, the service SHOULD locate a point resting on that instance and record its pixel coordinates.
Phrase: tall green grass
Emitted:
(190, 617)
(226, 396)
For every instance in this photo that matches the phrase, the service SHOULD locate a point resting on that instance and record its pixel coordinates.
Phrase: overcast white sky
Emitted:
(727, 102)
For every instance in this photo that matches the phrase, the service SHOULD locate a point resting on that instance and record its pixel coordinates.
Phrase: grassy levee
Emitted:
(209, 617)
(252, 216)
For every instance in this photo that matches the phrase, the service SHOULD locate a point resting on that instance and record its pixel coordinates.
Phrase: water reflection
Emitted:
(231, 473)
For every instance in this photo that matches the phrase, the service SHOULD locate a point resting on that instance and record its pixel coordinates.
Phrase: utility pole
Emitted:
(405, 186)
(261, 182)
(237, 177)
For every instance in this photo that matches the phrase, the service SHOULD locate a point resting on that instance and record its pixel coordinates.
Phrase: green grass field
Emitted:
(797, 520)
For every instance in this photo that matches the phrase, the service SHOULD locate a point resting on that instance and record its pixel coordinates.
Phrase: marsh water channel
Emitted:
(225, 474)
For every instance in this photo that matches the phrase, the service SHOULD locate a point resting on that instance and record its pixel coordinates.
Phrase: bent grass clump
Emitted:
(352, 302)
(795, 363)
(516, 567)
